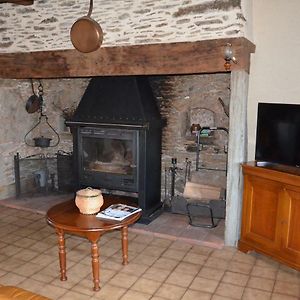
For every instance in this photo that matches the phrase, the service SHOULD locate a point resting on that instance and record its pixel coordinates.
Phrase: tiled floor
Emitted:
(167, 225)
(158, 269)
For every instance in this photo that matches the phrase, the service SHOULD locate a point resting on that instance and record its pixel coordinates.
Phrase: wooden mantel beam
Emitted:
(18, 2)
(170, 58)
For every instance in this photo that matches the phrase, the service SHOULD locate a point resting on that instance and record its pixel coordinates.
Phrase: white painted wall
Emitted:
(275, 66)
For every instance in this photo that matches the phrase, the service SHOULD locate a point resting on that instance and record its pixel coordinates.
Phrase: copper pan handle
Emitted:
(90, 8)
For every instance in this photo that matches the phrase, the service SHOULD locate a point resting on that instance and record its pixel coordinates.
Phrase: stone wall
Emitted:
(45, 25)
(185, 100)
(16, 122)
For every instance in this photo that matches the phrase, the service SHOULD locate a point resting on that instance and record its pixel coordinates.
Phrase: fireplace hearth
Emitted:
(117, 140)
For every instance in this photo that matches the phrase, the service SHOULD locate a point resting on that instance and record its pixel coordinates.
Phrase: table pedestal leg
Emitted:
(124, 231)
(95, 265)
(62, 255)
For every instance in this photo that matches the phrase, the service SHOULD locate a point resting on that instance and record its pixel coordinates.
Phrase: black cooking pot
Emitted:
(42, 142)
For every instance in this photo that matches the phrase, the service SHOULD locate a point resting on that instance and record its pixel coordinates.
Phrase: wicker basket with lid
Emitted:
(89, 200)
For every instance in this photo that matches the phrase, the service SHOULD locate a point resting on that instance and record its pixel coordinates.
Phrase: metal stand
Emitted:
(208, 205)
(211, 208)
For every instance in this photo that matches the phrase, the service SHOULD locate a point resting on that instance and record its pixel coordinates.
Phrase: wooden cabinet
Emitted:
(271, 212)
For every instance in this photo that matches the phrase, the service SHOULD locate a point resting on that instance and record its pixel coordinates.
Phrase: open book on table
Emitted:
(118, 212)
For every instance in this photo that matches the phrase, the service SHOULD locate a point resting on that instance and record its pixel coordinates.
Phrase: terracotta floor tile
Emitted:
(180, 279)
(165, 263)
(52, 291)
(146, 286)
(106, 274)
(44, 259)
(70, 295)
(218, 297)
(10, 264)
(11, 279)
(261, 283)
(106, 250)
(216, 263)
(239, 267)
(171, 292)
(137, 246)
(67, 284)
(42, 277)
(230, 290)
(222, 254)
(266, 262)
(80, 270)
(143, 239)
(39, 247)
(204, 284)
(33, 286)
(287, 288)
(112, 265)
(283, 297)
(195, 258)
(26, 255)
(156, 274)
(135, 295)
(253, 294)
(154, 250)
(235, 278)
(145, 259)
(188, 268)
(179, 245)
(85, 286)
(174, 254)
(123, 280)
(269, 273)
(10, 250)
(193, 295)
(211, 273)
(244, 258)
(8, 239)
(109, 292)
(202, 250)
(134, 269)
(291, 276)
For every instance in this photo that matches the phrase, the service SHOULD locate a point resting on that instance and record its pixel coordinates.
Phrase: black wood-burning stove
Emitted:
(117, 140)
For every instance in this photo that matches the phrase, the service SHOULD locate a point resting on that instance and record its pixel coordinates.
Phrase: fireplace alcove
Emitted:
(174, 58)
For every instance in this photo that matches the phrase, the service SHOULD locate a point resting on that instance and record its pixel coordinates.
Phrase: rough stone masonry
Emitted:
(45, 25)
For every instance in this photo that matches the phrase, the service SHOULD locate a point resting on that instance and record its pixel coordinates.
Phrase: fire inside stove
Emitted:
(108, 158)
(108, 155)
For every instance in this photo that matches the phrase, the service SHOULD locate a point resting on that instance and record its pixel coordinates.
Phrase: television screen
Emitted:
(278, 134)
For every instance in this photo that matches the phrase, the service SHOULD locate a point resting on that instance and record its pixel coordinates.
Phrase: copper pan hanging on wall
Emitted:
(86, 34)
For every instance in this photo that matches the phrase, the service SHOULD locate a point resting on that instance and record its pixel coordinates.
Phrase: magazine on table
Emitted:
(118, 212)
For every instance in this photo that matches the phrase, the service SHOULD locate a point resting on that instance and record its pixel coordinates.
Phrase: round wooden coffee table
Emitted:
(66, 218)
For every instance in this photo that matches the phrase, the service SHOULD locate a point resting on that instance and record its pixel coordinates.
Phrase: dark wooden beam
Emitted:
(19, 2)
(173, 58)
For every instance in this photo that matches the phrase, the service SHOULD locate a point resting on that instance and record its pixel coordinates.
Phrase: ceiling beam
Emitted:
(170, 58)
(18, 2)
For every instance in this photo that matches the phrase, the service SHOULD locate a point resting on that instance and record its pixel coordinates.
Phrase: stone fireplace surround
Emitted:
(136, 60)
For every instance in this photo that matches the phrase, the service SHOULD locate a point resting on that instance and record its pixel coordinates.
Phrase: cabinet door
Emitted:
(261, 210)
(291, 225)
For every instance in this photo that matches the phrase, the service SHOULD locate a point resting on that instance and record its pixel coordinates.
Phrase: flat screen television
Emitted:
(278, 134)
